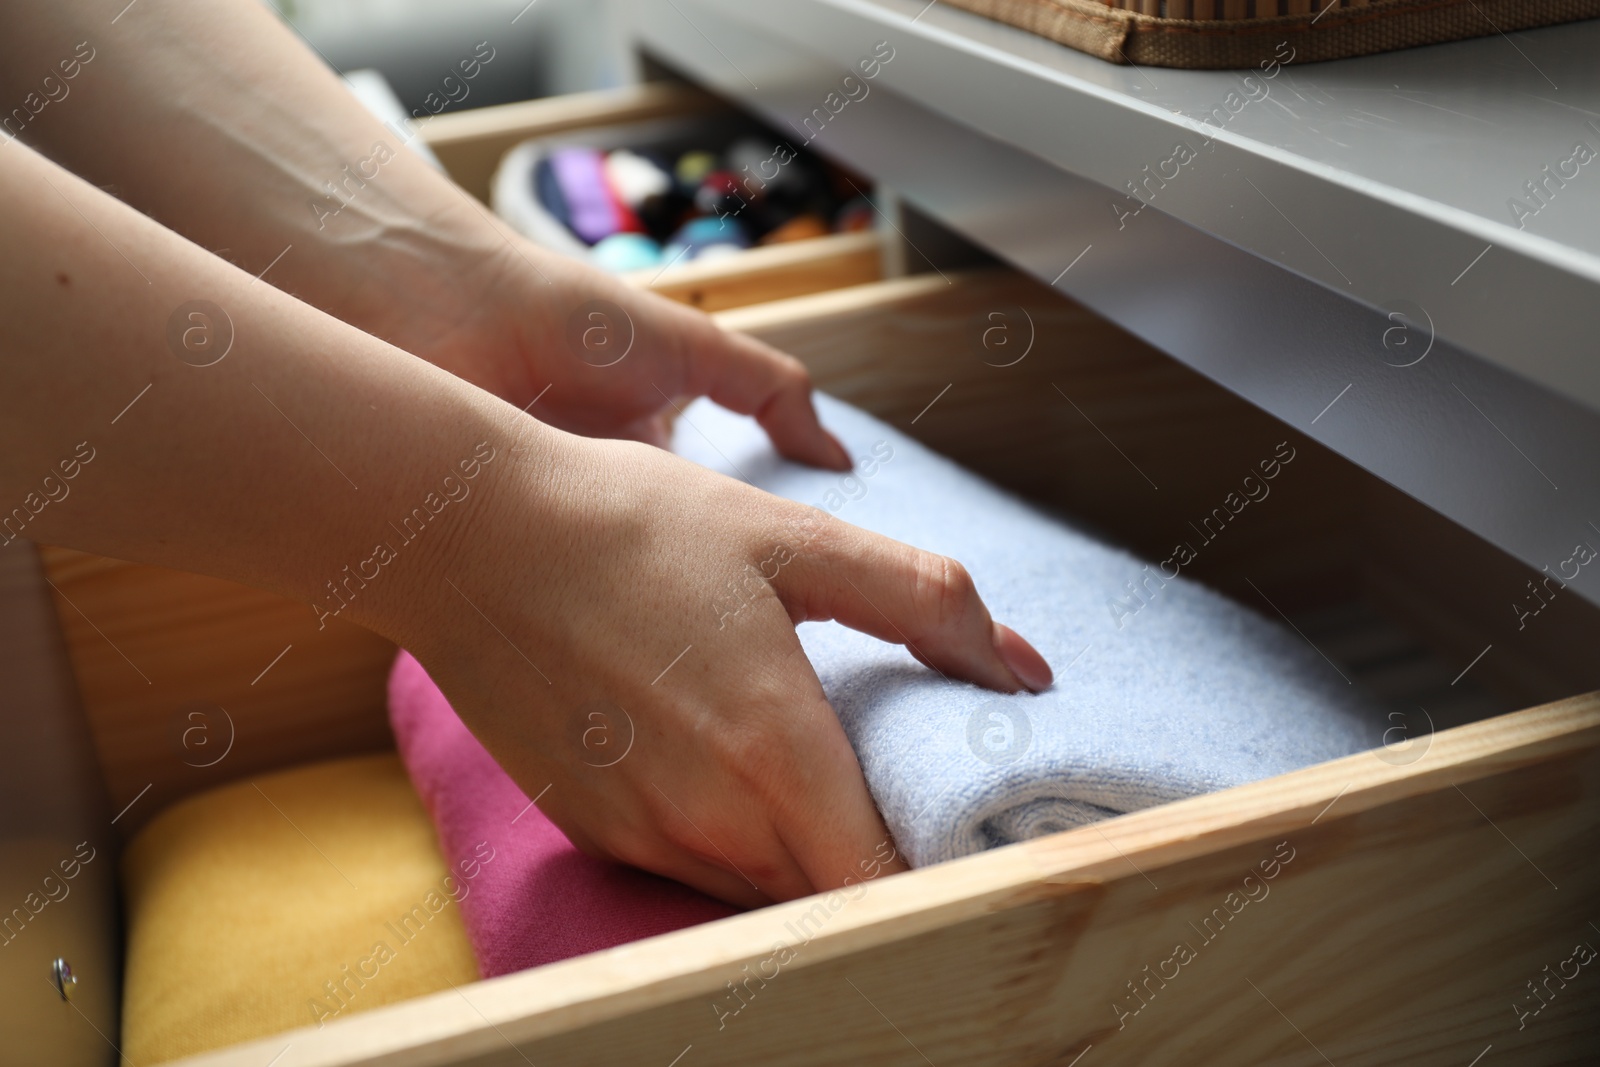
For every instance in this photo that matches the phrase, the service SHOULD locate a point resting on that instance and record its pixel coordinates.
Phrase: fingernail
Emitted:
(1023, 659)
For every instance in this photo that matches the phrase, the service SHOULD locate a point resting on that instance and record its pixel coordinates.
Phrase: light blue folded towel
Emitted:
(1187, 694)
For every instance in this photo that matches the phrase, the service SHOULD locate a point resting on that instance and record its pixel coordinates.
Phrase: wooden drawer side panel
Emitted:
(189, 682)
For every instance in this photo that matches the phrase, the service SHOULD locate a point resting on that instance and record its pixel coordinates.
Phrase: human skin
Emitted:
(214, 119)
(582, 562)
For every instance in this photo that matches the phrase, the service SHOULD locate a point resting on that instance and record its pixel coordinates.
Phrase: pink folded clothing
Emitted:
(527, 895)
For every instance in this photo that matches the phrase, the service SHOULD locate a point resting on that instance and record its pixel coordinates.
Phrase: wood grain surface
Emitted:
(1355, 912)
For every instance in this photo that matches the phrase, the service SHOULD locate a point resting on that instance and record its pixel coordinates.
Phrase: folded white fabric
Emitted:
(1188, 694)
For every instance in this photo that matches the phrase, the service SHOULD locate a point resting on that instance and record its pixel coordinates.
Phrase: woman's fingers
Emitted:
(715, 881)
(801, 821)
(743, 784)
(906, 596)
(742, 865)
(776, 798)
(746, 376)
(826, 817)
(730, 834)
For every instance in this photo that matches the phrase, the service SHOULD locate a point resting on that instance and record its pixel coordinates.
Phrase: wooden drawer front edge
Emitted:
(1400, 911)
(773, 272)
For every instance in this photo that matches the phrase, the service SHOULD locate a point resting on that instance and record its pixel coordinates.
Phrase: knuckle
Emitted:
(791, 374)
(944, 590)
(763, 872)
(806, 528)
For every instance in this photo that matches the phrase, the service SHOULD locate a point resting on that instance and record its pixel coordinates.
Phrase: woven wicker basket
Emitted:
(1211, 34)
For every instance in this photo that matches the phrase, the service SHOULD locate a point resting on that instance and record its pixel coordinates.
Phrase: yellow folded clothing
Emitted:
(287, 901)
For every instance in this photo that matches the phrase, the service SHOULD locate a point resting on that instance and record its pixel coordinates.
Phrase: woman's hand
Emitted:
(303, 187)
(583, 351)
(581, 632)
(572, 575)
(587, 571)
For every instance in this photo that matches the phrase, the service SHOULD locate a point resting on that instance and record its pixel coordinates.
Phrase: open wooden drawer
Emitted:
(471, 143)
(1426, 898)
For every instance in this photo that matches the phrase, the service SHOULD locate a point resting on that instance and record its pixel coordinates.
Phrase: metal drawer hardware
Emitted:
(65, 981)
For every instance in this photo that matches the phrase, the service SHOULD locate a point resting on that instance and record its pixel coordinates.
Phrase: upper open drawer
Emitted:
(472, 144)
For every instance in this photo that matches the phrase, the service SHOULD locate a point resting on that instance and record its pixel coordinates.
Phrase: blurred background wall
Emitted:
(540, 48)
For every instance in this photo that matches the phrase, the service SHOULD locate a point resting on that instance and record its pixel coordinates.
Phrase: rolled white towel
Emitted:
(1189, 694)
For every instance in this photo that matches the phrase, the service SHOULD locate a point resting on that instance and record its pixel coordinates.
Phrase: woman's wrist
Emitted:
(419, 274)
(445, 509)
(470, 296)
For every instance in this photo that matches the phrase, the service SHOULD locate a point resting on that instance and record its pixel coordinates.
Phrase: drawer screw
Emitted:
(65, 982)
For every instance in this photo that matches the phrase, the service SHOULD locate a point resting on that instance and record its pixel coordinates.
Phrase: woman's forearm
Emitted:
(160, 405)
(214, 119)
